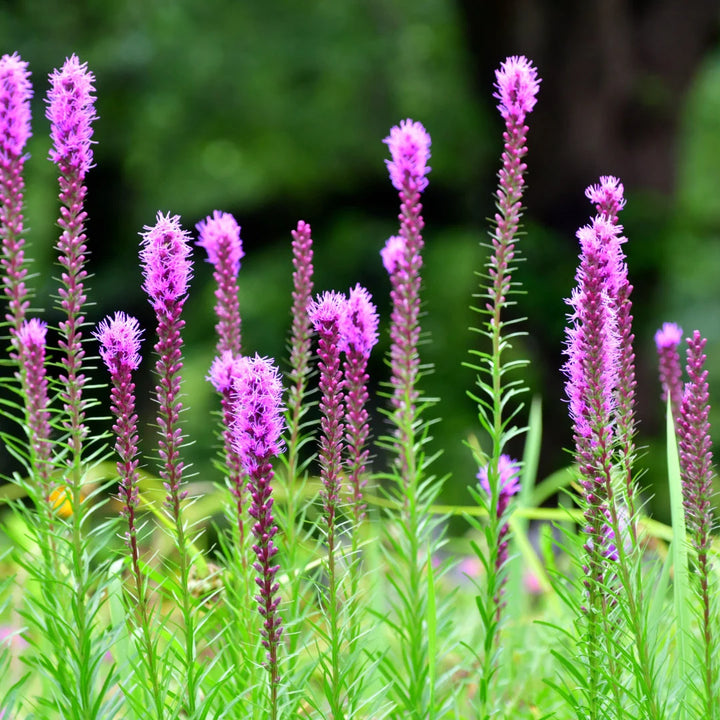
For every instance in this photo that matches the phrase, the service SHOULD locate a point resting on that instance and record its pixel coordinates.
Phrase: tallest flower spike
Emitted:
(71, 111)
(15, 94)
(409, 145)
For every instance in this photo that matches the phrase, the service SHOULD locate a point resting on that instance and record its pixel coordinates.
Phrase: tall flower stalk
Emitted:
(257, 429)
(71, 111)
(695, 449)
(119, 339)
(15, 95)
(667, 342)
(220, 236)
(300, 368)
(326, 314)
(517, 85)
(593, 352)
(167, 268)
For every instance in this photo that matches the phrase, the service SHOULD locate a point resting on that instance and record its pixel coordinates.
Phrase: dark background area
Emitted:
(275, 111)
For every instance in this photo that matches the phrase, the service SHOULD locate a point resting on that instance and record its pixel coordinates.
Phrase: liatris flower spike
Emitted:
(508, 486)
(326, 314)
(358, 330)
(71, 112)
(257, 429)
(223, 373)
(119, 339)
(409, 145)
(15, 94)
(31, 341)
(220, 236)
(667, 341)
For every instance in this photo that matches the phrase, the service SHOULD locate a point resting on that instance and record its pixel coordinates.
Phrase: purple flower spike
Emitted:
(31, 341)
(258, 413)
(119, 339)
(15, 94)
(516, 86)
(608, 197)
(301, 296)
(508, 485)
(409, 145)
(71, 112)
(695, 443)
(667, 341)
(220, 236)
(257, 430)
(358, 328)
(326, 314)
(167, 266)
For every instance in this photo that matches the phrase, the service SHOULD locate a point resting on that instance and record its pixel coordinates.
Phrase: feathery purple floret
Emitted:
(516, 87)
(508, 484)
(167, 265)
(359, 323)
(607, 196)
(71, 112)
(409, 146)
(667, 342)
(223, 371)
(15, 94)
(119, 339)
(258, 412)
(220, 236)
(393, 254)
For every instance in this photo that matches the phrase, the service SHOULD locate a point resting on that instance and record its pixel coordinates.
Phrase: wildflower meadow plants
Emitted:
(333, 588)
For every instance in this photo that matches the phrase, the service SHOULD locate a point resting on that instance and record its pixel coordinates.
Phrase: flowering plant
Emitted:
(332, 588)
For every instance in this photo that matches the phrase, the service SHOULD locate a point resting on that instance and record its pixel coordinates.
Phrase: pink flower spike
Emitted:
(667, 341)
(393, 253)
(32, 334)
(359, 324)
(167, 266)
(258, 411)
(221, 230)
(71, 112)
(409, 145)
(15, 94)
(517, 84)
(119, 339)
(509, 472)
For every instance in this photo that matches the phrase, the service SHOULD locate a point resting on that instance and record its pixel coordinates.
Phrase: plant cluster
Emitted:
(334, 590)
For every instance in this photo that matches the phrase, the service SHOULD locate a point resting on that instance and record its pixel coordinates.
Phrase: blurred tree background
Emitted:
(275, 111)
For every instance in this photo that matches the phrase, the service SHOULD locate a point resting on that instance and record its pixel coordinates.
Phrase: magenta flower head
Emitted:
(409, 145)
(15, 94)
(327, 309)
(608, 196)
(167, 266)
(71, 112)
(223, 371)
(516, 86)
(33, 333)
(258, 411)
(667, 341)
(509, 477)
(393, 254)
(220, 236)
(119, 339)
(359, 323)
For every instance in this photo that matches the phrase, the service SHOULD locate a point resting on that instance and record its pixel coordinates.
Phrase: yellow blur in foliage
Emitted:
(61, 500)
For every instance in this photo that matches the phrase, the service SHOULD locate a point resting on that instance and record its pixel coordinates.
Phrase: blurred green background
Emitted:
(276, 110)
